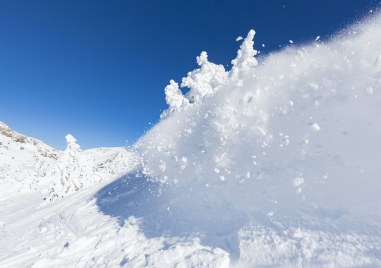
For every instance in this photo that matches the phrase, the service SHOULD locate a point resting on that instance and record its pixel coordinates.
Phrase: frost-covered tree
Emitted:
(210, 77)
(71, 164)
(71, 145)
(245, 60)
(201, 82)
(70, 170)
(205, 80)
(173, 96)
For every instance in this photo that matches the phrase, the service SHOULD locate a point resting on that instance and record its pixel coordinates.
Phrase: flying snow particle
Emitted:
(378, 63)
(298, 181)
(314, 85)
(315, 126)
(370, 90)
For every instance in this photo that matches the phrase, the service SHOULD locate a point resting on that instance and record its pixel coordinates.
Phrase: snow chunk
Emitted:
(298, 181)
(315, 127)
(370, 90)
(313, 85)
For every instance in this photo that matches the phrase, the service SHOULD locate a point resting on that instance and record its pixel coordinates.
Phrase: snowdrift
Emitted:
(289, 147)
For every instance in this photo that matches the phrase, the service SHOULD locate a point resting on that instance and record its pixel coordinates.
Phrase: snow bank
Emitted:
(291, 142)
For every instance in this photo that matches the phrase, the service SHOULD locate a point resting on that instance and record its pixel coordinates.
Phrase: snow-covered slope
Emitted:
(278, 163)
(24, 160)
(272, 163)
(34, 166)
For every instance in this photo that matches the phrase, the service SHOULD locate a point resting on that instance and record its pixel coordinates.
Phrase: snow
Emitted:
(288, 147)
(272, 163)
(205, 80)
(32, 165)
(174, 97)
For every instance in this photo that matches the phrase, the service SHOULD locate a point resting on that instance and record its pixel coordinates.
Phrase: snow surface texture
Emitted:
(273, 163)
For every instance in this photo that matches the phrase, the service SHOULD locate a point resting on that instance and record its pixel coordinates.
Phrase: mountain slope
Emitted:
(35, 166)
(24, 160)
(272, 163)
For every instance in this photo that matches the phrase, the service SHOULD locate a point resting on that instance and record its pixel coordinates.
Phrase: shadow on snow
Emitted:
(172, 211)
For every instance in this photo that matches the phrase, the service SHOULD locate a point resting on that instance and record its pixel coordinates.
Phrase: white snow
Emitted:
(322, 169)
(315, 127)
(272, 163)
(32, 165)
(174, 97)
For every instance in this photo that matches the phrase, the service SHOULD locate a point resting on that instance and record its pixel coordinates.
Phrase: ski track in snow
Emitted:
(273, 163)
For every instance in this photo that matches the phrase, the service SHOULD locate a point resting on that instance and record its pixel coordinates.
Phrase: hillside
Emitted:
(273, 163)
(31, 165)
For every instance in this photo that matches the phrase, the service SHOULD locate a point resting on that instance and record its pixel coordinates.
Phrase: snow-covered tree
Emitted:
(245, 60)
(205, 80)
(71, 145)
(173, 96)
(70, 170)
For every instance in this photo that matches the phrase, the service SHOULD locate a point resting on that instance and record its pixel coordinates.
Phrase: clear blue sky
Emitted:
(97, 69)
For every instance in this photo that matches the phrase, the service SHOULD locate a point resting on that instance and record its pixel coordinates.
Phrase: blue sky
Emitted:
(97, 69)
